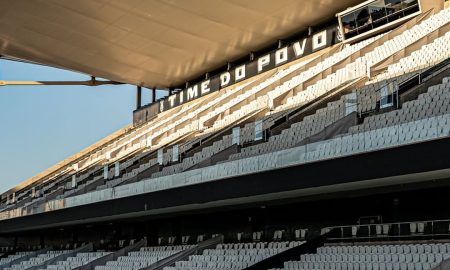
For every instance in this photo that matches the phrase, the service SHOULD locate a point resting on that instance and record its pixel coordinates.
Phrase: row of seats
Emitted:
(80, 259)
(428, 55)
(432, 103)
(14, 257)
(386, 249)
(233, 256)
(145, 257)
(37, 260)
(373, 257)
(387, 257)
(360, 266)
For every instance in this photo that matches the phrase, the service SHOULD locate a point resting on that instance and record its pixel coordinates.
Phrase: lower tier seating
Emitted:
(143, 258)
(373, 257)
(233, 256)
(37, 260)
(14, 257)
(80, 259)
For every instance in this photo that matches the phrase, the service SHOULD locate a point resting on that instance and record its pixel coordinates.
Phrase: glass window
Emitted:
(175, 153)
(376, 14)
(377, 10)
(393, 6)
(387, 95)
(410, 7)
(350, 103)
(258, 130)
(348, 23)
(393, 9)
(363, 20)
(409, 3)
(362, 17)
(160, 156)
(236, 135)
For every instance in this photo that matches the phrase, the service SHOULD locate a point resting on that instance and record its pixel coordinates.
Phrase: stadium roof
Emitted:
(153, 43)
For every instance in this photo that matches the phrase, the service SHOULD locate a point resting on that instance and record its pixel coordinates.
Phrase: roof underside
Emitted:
(153, 43)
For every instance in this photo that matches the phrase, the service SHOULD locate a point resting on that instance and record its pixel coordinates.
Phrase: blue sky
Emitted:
(42, 125)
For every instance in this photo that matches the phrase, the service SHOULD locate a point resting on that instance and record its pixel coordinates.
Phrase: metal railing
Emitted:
(429, 229)
(184, 255)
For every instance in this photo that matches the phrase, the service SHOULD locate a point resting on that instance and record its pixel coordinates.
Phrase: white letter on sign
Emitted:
(192, 92)
(204, 87)
(319, 40)
(239, 73)
(281, 56)
(299, 50)
(224, 79)
(263, 61)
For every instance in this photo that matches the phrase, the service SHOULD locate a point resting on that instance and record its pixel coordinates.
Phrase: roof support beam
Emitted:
(153, 95)
(38, 83)
(138, 98)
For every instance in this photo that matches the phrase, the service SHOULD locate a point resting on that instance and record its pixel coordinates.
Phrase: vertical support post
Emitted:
(138, 98)
(170, 91)
(74, 181)
(105, 172)
(153, 95)
(117, 169)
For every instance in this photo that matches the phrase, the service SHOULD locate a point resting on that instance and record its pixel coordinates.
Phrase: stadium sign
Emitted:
(281, 56)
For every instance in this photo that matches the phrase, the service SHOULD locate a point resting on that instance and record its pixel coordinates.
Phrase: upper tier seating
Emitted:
(288, 87)
(360, 66)
(428, 55)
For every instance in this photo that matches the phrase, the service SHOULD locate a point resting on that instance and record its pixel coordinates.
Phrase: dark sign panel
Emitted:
(291, 52)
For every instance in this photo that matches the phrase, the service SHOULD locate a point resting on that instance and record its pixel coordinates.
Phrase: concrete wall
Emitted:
(429, 4)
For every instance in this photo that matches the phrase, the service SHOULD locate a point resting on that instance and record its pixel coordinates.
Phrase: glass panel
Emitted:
(348, 23)
(393, 5)
(175, 153)
(410, 7)
(376, 14)
(362, 17)
(393, 9)
(377, 10)
(387, 95)
(409, 3)
(236, 135)
(160, 156)
(258, 130)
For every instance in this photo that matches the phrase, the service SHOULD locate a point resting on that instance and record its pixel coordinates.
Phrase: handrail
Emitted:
(169, 261)
(113, 256)
(370, 235)
(444, 265)
(277, 261)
